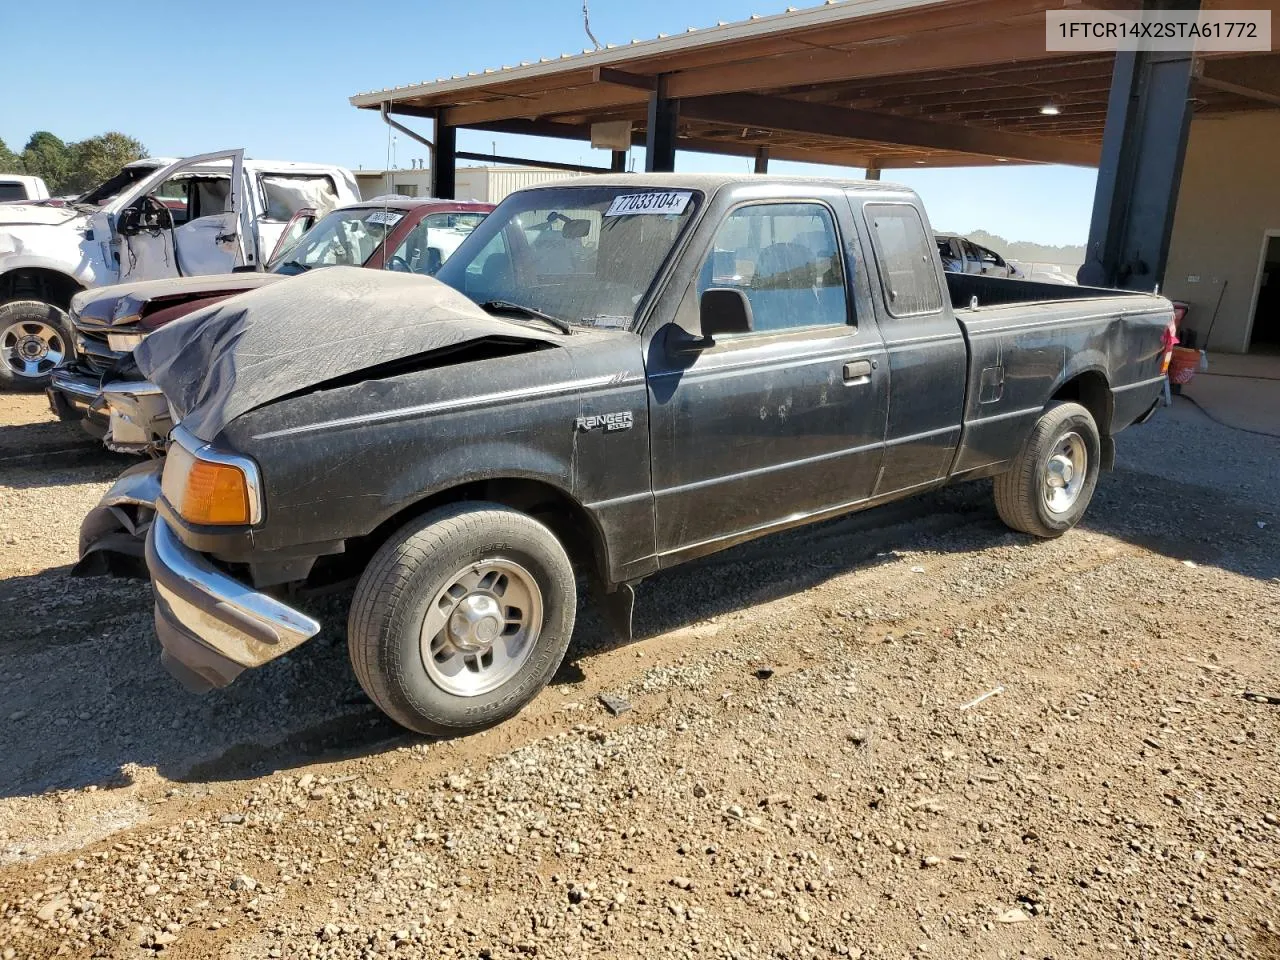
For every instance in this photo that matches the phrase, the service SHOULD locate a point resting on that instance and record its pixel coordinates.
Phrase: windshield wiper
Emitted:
(507, 305)
(304, 267)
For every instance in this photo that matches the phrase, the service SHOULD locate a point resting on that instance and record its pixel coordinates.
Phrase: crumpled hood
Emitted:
(15, 214)
(125, 304)
(225, 360)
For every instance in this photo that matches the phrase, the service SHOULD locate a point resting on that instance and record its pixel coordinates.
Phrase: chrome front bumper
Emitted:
(211, 626)
(134, 413)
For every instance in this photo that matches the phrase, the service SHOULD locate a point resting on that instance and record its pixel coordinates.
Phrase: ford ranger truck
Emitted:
(610, 376)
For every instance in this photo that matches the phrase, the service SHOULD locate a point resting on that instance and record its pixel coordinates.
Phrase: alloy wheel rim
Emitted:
(481, 628)
(31, 349)
(1064, 473)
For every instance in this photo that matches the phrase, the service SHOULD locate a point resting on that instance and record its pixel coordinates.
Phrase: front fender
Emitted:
(113, 535)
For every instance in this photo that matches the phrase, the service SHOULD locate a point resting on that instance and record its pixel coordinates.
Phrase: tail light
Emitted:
(1170, 340)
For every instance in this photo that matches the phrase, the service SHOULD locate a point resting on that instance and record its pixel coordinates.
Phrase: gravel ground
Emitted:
(804, 771)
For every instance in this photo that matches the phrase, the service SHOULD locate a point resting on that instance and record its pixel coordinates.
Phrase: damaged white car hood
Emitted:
(37, 214)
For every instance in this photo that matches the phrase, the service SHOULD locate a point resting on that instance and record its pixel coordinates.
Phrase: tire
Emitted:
(34, 338)
(1033, 497)
(436, 681)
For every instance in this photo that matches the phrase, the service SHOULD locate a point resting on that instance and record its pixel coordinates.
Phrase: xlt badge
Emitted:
(622, 420)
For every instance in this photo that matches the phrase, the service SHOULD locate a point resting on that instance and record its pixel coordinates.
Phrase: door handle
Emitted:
(858, 371)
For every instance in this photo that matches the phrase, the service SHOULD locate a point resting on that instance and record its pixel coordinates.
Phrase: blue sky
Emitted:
(275, 79)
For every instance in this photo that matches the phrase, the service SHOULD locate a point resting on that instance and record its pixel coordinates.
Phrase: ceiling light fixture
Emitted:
(1050, 110)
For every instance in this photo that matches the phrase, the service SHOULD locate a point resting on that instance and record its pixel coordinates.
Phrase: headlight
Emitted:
(207, 487)
(123, 342)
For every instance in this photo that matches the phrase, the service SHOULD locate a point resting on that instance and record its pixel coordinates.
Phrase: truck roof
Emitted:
(707, 182)
(155, 163)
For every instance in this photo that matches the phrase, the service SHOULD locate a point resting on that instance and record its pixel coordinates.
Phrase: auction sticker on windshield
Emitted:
(629, 204)
(386, 217)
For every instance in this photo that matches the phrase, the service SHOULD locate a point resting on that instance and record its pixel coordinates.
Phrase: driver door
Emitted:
(211, 243)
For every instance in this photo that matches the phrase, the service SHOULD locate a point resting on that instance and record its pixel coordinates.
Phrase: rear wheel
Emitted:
(1053, 478)
(34, 338)
(461, 618)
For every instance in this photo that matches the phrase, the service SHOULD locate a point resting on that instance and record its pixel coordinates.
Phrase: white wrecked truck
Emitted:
(155, 219)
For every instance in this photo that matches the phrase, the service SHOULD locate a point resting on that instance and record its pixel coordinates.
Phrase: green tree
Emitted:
(46, 156)
(96, 159)
(10, 162)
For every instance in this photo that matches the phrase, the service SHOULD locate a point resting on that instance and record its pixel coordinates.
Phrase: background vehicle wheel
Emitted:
(461, 618)
(34, 338)
(1053, 479)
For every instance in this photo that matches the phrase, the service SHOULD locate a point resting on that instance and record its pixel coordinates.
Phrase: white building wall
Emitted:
(486, 184)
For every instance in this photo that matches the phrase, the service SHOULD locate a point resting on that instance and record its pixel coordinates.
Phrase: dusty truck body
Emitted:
(101, 391)
(157, 218)
(628, 372)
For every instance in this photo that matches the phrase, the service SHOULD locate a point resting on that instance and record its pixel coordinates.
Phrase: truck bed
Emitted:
(999, 291)
(1023, 334)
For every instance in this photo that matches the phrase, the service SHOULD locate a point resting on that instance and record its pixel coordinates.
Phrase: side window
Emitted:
(907, 274)
(786, 258)
(283, 195)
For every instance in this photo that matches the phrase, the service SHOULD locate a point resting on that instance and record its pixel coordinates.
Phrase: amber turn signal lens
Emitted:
(215, 493)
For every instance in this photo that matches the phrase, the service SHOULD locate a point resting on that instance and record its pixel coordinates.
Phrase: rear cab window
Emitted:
(284, 194)
(904, 255)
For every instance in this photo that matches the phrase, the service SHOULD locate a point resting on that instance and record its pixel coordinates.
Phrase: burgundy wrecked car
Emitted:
(403, 234)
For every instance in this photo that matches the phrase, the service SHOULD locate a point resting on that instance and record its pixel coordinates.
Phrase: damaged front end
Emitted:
(113, 535)
(138, 418)
(129, 416)
(101, 388)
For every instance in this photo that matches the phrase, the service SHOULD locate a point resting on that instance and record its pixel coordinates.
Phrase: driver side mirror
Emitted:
(722, 310)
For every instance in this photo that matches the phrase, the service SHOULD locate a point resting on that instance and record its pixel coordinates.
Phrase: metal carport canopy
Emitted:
(869, 83)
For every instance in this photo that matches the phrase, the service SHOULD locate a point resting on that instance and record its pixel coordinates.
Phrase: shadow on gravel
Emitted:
(83, 699)
(40, 436)
(1184, 521)
(47, 466)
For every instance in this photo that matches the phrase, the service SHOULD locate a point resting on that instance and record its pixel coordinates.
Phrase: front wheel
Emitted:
(1053, 478)
(461, 618)
(34, 338)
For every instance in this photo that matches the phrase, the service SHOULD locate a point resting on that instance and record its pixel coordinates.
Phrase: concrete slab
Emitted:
(1241, 391)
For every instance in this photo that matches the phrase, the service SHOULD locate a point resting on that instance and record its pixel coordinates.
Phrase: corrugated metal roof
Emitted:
(614, 55)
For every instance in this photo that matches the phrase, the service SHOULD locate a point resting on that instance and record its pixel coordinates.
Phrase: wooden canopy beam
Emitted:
(597, 96)
(776, 113)
(972, 46)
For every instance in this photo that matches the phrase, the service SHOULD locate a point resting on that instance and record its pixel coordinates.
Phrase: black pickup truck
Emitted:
(610, 376)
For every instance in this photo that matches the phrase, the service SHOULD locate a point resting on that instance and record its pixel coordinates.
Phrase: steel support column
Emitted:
(444, 161)
(619, 161)
(660, 132)
(1143, 143)
(762, 160)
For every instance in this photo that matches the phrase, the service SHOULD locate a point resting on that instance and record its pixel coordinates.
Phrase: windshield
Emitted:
(105, 192)
(586, 255)
(341, 238)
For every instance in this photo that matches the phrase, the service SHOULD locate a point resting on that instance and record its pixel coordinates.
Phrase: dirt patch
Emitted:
(799, 773)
